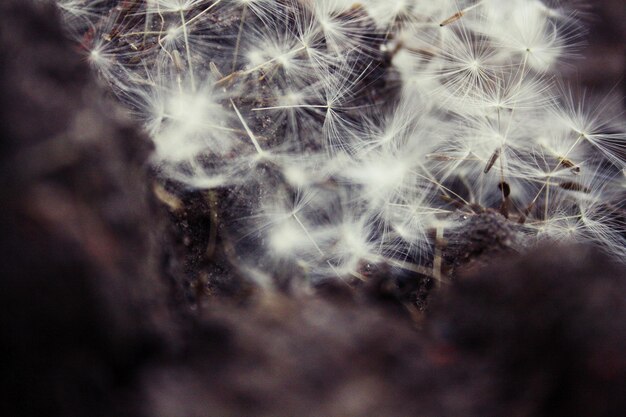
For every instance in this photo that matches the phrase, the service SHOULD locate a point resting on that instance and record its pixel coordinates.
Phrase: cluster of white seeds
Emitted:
(356, 132)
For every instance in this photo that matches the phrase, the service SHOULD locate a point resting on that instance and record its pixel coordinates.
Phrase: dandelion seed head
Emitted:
(351, 132)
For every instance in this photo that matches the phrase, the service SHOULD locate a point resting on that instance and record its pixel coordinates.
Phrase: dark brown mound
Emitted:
(543, 335)
(83, 300)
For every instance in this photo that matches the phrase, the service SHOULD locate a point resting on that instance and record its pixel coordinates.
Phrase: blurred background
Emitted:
(602, 67)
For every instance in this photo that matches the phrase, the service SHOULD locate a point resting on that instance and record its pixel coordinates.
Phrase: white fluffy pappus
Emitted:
(349, 134)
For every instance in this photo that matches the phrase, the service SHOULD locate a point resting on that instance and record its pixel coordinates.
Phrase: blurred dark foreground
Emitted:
(101, 315)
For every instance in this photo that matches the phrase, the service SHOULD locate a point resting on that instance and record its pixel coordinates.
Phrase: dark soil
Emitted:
(119, 298)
